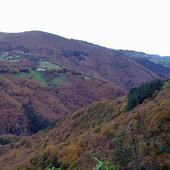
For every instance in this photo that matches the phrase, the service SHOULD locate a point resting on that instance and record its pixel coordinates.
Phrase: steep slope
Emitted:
(131, 140)
(163, 60)
(154, 63)
(15, 94)
(99, 62)
(26, 102)
(159, 69)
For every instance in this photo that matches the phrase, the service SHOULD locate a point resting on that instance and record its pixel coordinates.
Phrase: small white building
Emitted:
(40, 69)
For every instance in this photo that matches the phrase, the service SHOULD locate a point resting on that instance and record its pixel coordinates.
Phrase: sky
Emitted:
(141, 25)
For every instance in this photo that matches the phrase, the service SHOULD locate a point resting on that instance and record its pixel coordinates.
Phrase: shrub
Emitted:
(96, 130)
(124, 148)
(45, 161)
(138, 94)
(104, 165)
(4, 141)
(109, 135)
(74, 166)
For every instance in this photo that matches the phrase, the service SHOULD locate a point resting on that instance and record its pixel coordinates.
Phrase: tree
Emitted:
(138, 94)
(36, 122)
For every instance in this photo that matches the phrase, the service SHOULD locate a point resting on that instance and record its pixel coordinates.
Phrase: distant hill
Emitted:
(164, 60)
(99, 62)
(155, 63)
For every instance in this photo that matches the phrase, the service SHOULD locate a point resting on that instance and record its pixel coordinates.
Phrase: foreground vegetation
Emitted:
(101, 137)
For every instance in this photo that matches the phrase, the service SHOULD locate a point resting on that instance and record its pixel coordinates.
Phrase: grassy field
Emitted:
(48, 65)
(62, 79)
(21, 75)
(37, 75)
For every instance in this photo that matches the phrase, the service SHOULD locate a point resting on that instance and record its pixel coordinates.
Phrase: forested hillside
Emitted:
(69, 104)
(138, 139)
(39, 48)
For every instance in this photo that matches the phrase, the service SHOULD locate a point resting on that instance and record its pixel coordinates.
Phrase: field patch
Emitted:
(61, 79)
(48, 65)
(37, 75)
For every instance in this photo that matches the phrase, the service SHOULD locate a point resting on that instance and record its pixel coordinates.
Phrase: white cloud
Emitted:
(127, 24)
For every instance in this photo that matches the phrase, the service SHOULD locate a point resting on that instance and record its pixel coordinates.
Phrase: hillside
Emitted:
(69, 74)
(155, 63)
(163, 60)
(63, 104)
(49, 102)
(135, 139)
(99, 62)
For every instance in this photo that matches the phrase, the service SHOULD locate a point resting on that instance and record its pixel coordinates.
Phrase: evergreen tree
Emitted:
(138, 94)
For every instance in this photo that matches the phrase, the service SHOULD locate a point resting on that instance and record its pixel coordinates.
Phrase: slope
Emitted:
(86, 58)
(154, 63)
(29, 97)
(135, 139)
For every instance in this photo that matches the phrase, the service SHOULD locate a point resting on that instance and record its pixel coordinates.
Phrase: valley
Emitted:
(69, 104)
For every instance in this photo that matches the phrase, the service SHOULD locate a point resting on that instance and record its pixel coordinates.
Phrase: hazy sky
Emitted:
(142, 25)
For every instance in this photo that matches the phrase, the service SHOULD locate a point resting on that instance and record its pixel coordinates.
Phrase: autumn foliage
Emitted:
(137, 139)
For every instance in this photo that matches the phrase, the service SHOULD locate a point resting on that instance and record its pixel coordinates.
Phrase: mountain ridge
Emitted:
(93, 60)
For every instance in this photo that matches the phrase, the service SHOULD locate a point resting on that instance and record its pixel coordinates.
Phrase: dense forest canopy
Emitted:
(138, 94)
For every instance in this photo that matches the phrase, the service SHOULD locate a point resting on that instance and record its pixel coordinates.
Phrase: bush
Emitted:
(104, 165)
(97, 130)
(124, 150)
(4, 141)
(45, 161)
(139, 94)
